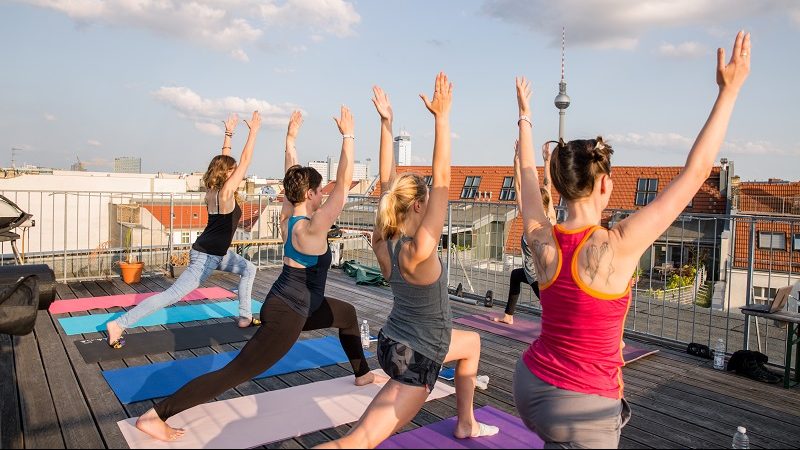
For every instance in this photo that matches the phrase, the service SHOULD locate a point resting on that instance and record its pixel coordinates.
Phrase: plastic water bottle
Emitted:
(719, 355)
(740, 439)
(365, 335)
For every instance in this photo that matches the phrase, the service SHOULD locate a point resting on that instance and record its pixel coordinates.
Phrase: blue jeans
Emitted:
(201, 267)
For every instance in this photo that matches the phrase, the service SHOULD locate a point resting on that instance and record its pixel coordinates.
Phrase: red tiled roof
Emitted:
(769, 197)
(328, 189)
(786, 260)
(195, 217)
(708, 199)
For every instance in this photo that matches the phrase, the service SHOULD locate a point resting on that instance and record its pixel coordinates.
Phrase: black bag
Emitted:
(751, 364)
(19, 304)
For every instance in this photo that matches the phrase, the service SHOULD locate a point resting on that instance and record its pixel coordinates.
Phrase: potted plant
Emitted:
(130, 268)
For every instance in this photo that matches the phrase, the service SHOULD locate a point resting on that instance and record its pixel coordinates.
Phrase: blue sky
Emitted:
(152, 78)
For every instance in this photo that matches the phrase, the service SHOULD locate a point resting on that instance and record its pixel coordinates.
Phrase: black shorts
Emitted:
(406, 366)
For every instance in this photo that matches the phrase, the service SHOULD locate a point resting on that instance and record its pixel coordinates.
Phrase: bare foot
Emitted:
(505, 319)
(156, 428)
(474, 430)
(114, 332)
(370, 378)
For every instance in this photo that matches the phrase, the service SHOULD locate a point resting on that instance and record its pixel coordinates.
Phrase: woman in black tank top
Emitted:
(211, 249)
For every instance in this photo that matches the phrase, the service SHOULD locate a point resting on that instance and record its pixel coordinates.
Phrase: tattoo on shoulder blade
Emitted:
(595, 255)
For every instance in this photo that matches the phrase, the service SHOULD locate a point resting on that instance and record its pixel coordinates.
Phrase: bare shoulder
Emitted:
(600, 266)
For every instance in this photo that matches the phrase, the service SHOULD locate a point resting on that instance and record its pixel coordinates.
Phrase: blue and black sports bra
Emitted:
(291, 252)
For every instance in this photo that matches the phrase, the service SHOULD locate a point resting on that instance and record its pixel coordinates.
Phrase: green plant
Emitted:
(127, 244)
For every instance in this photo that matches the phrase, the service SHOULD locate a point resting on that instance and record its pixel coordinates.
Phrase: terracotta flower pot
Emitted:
(131, 272)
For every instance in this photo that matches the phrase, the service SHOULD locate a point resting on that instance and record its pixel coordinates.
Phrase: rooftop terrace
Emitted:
(50, 398)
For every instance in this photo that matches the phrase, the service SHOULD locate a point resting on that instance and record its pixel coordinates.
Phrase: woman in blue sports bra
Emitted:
(297, 299)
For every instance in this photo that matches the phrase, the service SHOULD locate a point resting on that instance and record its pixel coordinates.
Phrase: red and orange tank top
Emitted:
(580, 347)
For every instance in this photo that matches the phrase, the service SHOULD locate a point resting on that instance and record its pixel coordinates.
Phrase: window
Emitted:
(646, 191)
(763, 295)
(507, 192)
(429, 180)
(195, 216)
(770, 240)
(796, 243)
(561, 210)
(186, 237)
(471, 185)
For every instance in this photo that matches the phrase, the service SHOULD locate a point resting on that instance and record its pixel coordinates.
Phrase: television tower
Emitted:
(562, 99)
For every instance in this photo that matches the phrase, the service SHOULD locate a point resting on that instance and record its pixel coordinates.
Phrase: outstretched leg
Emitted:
(280, 330)
(200, 268)
(394, 407)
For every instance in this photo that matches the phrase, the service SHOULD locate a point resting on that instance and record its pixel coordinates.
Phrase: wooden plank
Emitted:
(77, 424)
(11, 435)
(39, 420)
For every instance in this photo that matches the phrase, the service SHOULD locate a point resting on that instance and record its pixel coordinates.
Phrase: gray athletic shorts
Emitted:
(567, 419)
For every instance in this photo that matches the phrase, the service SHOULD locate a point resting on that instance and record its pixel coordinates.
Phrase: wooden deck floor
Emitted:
(50, 398)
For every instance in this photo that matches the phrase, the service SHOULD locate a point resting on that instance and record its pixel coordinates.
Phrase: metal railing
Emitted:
(768, 204)
(689, 286)
(82, 235)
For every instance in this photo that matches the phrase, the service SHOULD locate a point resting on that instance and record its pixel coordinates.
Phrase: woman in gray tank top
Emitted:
(418, 337)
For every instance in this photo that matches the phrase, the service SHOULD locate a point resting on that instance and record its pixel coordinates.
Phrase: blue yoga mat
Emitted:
(133, 384)
(176, 314)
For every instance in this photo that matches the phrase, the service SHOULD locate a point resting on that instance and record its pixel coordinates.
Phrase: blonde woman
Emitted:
(418, 336)
(210, 251)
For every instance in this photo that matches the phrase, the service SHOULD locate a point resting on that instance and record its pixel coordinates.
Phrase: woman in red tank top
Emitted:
(568, 385)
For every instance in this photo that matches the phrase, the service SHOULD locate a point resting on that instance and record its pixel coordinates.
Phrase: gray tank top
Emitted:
(527, 261)
(420, 317)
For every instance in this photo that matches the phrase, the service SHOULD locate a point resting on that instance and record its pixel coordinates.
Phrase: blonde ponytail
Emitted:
(395, 203)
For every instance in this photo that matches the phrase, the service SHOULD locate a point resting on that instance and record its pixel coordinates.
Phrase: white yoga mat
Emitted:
(268, 417)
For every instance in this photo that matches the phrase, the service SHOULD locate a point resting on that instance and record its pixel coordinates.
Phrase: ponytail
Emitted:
(395, 203)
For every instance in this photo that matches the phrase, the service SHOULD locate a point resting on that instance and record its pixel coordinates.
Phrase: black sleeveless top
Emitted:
(218, 235)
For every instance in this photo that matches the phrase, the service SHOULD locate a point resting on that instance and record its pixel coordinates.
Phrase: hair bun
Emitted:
(601, 150)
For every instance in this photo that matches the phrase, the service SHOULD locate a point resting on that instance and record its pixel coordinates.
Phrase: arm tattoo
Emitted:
(594, 256)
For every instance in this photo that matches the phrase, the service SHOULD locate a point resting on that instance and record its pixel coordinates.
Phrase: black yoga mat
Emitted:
(154, 342)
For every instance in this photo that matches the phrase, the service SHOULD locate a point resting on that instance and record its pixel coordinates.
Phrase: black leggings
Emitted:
(517, 278)
(279, 331)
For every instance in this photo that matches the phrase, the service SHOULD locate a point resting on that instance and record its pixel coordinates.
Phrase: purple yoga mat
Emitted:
(526, 330)
(513, 434)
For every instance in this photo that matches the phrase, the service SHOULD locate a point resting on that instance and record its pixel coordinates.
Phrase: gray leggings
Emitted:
(567, 419)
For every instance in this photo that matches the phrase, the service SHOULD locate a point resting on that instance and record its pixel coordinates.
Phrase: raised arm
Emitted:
(230, 125)
(426, 240)
(387, 163)
(327, 214)
(517, 177)
(533, 214)
(638, 231)
(290, 158)
(551, 209)
(247, 156)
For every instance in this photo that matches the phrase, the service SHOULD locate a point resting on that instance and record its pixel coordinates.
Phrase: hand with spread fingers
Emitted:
(381, 101)
(442, 97)
(345, 122)
(295, 122)
(231, 123)
(254, 123)
(524, 96)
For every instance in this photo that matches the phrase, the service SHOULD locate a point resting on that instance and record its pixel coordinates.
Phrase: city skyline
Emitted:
(93, 83)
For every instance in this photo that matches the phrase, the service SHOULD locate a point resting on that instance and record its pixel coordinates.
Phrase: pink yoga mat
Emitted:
(527, 331)
(85, 304)
(260, 419)
(513, 434)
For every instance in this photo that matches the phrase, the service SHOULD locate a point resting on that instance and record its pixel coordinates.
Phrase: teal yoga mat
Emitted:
(133, 384)
(176, 314)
